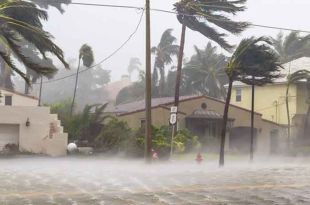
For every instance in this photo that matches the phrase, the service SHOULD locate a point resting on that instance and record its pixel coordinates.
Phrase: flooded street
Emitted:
(68, 181)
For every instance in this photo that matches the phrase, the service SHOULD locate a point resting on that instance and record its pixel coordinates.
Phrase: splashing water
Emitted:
(37, 181)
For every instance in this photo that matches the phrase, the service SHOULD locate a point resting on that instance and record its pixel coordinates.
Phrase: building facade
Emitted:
(203, 116)
(32, 128)
(270, 100)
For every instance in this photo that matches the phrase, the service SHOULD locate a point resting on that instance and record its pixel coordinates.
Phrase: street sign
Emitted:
(174, 109)
(173, 119)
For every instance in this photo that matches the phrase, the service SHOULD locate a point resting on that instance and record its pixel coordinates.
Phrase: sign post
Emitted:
(173, 122)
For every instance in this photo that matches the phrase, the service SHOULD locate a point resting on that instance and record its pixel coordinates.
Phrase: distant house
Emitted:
(112, 89)
(203, 116)
(30, 127)
(270, 100)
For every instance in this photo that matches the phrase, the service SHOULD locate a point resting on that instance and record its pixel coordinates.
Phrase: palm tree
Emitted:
(57, 4)
(255, 63)
(292, 79)
(134, 64)
(21, 22)
(292, 46)
(198, 15)
(87, 56)
(164, 52)
(205, 72)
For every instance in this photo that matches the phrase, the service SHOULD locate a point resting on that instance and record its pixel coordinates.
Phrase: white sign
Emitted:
(173, 119)
(174, 109)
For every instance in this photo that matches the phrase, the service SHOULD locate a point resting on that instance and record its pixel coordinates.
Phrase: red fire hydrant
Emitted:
(199, 158)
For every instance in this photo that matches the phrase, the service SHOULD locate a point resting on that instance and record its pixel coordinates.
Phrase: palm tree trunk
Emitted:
(179, 68)
(154, 82)
(306, 124)
(75, 87)
(288, 117)
(27, 86)
(40, 93)
(252, 123)
(224, 127)
(162, 82)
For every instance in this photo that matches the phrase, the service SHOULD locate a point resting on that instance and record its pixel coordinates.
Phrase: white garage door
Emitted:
(8, 135)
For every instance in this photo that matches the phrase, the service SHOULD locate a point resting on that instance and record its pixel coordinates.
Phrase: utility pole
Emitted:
(148, 86)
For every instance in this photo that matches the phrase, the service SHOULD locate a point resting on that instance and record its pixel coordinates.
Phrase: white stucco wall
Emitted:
(35, 138)
(18, 99)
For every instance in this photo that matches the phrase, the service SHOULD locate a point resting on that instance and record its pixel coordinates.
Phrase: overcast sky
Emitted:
(105, 29)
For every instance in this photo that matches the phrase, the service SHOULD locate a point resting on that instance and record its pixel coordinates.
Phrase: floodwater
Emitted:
(95, 181)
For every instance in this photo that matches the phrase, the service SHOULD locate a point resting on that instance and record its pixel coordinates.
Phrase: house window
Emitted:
(238, 94)
(8, 100)
(142, 123)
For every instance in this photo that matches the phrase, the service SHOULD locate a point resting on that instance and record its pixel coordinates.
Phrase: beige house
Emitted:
(32, 128)
(203, 116)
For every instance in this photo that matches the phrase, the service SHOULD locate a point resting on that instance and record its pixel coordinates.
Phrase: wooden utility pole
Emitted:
(148, 86)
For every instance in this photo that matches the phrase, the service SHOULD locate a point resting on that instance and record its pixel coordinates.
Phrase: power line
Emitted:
(176, 13)
(139, 23)
(105, 59)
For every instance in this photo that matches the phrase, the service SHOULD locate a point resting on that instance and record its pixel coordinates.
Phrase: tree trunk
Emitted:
(162, 82)
(306, 124)
(40, 94)
(75, 87)
(252, 123)
(178, 76)
(179, 68)
(288, 117)
(224, 127)
(27, 86)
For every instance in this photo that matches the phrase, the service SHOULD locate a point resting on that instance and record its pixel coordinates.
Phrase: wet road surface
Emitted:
(40, 181)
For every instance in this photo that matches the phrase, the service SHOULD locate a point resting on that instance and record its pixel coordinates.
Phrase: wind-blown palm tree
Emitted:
(292, 46)
(255, 63)
(199, 15)
(87, 56)
(57, 4)
(21, 22)
(164, 52)
(206, 72)
(134, 65)
(292, 79)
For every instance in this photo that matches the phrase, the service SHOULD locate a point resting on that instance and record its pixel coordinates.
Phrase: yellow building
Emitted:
(204, 117)
(270, 100)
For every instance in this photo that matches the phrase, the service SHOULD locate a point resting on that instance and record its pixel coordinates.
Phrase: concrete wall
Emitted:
(18, 99)
(269, 101)
(37, 138)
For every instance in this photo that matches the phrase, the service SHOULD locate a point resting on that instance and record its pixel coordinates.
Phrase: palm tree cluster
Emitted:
(292, 46)
(21, 23)
(205, 72)
(164, 52)
(200, 15)
(254, 62)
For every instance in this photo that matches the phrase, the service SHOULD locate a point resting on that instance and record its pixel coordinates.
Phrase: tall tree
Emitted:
(53, 3)
(199, 15)
(21, 22)
(205, 72)
(292, 79)
(87, 56)
(164, 52)
(134, 65)
(292, 46)
(254, 63)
